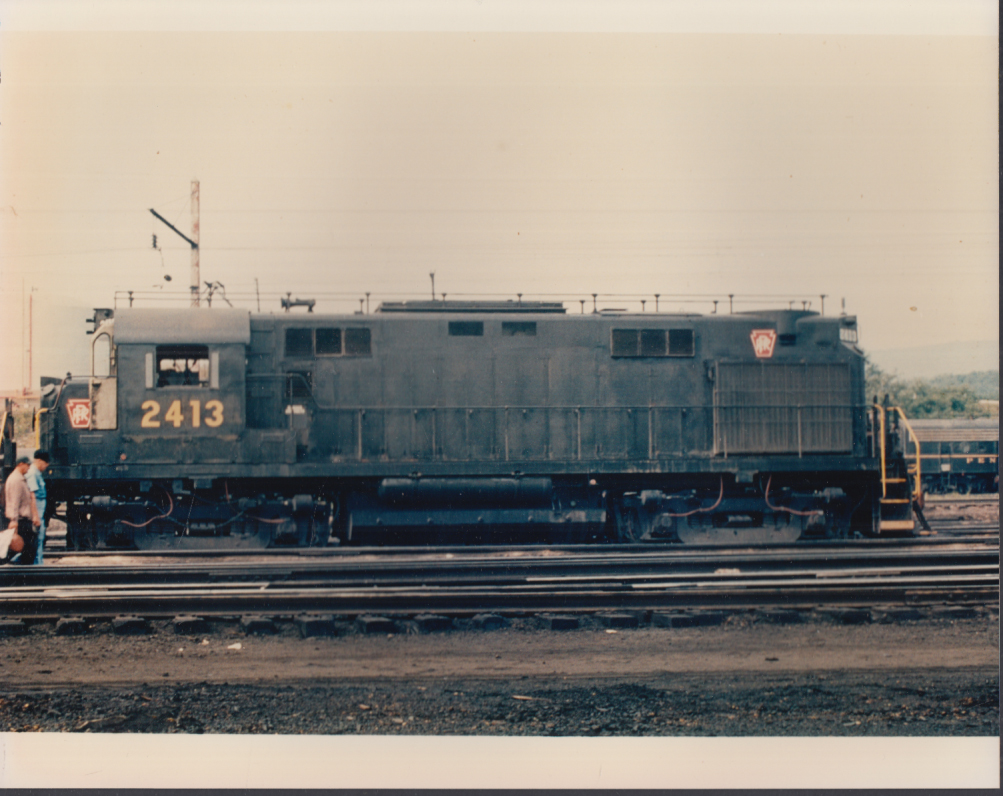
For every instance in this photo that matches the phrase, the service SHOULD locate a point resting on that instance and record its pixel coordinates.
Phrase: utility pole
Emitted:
(30, 352)
(23, 388)
(195, 245)
(193, 241)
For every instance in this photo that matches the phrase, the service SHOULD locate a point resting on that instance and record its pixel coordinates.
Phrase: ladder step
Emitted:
(895, 500)
(896, 480)
(897, 525)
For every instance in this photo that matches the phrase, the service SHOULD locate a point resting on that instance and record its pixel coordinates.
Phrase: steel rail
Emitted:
(546, 586)
(984, 497)
(730, 577)
(477, 566)
(520, 587)
(222, 602)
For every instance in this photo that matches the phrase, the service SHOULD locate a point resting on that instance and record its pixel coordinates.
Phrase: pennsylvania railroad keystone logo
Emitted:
(80, 412)
(763, 341)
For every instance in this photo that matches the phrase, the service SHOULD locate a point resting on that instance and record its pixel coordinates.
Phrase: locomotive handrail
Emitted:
(825, 413)
(64, 382)
(881, 448)
(915, 440)
(98, 334)
(432, 407)
(882, 444)
(883, 452)
(38, 425)
(632, 407)
(638, 303)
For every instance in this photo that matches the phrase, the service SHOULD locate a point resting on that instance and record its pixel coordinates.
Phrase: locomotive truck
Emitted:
(471, 422)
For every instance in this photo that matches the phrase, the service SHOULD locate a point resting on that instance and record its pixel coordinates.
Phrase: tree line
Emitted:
(939, 397)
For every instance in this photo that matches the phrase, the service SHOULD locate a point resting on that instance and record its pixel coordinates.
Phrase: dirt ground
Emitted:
(962, 511)
(748, 676)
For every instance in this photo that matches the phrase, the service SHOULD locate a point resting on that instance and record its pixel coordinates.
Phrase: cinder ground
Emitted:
(936, 676)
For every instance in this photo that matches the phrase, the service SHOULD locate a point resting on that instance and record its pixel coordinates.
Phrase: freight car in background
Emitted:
(958, 455)
(470, 422)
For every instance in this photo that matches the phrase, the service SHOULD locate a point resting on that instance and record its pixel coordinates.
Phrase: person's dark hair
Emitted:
(23, 460)
(43, 455)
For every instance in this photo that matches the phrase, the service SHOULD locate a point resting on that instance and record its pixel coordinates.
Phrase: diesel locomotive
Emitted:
(471, 422)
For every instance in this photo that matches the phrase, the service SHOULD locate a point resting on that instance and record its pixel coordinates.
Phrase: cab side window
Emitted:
(328, 341)
(182, 366)
(652, 343)
(358, 342)
(299, 342)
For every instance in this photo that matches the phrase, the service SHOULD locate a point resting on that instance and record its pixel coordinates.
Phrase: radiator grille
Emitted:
(783, 408)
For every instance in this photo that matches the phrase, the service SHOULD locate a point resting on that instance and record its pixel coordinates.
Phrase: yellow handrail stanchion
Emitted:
(915, 441)
(38, 427)
(881, 443)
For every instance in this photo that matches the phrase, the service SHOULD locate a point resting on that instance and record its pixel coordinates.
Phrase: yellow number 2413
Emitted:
(176, 417)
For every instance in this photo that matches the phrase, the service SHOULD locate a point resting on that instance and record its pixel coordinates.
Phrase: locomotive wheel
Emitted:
(628, 526)
(79, 529)
(320, 529)
(635, 527)
(963, 487)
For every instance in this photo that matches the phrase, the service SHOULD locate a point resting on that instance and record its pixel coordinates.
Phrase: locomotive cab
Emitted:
(180, 385)
(143, 446)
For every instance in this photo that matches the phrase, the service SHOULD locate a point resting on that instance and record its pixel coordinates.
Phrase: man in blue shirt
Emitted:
(37, 486)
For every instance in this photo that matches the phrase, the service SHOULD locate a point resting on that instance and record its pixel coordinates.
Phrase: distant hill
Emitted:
(984, 383)
(925, 362)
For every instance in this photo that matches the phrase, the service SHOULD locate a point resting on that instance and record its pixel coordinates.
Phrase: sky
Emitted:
(557, 150)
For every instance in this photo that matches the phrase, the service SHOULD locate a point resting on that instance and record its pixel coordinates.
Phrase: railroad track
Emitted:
(542, 580)
(964, 527)
(956, 498)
